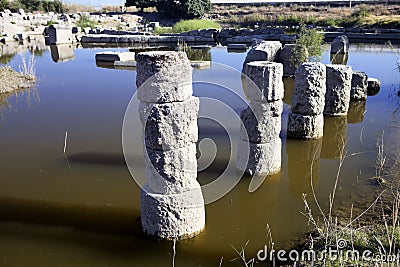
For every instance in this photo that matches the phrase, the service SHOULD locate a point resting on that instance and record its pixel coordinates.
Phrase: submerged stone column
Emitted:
(338, 86)
(306, 121)
(171, 200)
(261, 120)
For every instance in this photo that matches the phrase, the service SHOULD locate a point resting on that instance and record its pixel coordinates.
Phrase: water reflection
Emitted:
(339, 59)
(35, 45)
(356, 111)
(289, 86)
(334, 137)
(303, 165)
(62, 52)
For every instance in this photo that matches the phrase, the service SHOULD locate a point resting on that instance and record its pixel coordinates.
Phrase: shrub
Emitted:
(184, 8)
(85, 22)
(188, 25)
(195, 24)
(312, 40)
(3, 4)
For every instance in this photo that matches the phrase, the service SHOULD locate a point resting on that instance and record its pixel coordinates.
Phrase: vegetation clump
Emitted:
(85, 22)
(187, 9)
(188, 25)
(32, 5)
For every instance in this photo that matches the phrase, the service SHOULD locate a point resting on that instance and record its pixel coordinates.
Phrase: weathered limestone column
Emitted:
(359, 86)
(261, 120)
(306, 121)
(171, 200)
(264, 51)
(340, 45)
(338, 87)
(291, 56)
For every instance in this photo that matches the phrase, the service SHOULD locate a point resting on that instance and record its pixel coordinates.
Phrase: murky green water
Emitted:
(85, 211)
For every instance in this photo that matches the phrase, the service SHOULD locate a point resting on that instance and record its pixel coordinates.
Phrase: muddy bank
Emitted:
(11, 80)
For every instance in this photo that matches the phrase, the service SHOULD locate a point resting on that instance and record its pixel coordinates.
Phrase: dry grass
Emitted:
(11, 80)
(361, 15)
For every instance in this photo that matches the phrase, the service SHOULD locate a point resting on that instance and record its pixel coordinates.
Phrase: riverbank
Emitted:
(11, 80)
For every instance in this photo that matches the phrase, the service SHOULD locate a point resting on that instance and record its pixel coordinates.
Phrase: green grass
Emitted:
(188, 25)
(85, 22)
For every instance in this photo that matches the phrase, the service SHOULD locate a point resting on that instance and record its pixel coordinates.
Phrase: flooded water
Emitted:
(82, 208)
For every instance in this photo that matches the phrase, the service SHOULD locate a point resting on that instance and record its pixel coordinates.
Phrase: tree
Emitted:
(3, 4)
(187, 9)
(142, 4)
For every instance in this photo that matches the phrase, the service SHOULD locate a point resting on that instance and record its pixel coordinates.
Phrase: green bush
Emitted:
(3, 4)
(312, 40)
(85, 22)
(195, 24)
(184, 8)
(188, 25)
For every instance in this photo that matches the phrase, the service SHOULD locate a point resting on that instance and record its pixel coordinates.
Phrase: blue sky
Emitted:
(97, 2)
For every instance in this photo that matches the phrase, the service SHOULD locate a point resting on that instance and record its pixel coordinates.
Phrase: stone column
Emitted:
(261, 120)
(338, 86)
(306, 121)
(171, 200)
(359, 86)
(264, 51)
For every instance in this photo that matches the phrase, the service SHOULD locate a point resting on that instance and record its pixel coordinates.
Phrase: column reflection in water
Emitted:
(334, 137)
(62, 52)
(303, 165)
(289, 86)
(356, 111)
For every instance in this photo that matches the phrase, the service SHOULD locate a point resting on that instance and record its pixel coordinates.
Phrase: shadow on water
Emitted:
(107, 219)
(97, 158)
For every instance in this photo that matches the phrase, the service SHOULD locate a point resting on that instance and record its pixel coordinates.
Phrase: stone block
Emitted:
(59, 34)
(110, 56)
(173, 171)
(374, 86)
(264, 81)
(170, 125)
(262, 159)
(261, 121)
(163, 76)
(174, 216)
(305, 126)
(338, 86)
(340, 45)
(264, 51)
(309, 89)
(359, 86)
